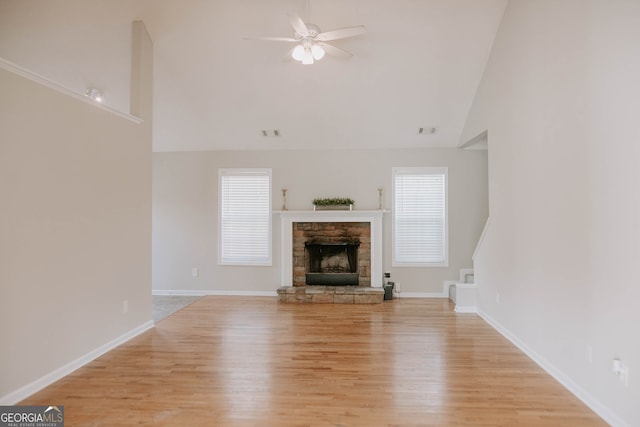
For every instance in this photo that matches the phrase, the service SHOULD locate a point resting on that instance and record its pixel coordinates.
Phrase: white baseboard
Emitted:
(420, 295)
(48, 379)
(167, 292)
(604, 412)
(198, 293)
(467, 309)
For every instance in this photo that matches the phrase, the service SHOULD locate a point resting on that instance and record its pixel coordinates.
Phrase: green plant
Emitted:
(333, 201)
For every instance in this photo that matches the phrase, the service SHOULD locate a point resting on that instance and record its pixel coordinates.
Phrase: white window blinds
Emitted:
(245, 216)
(420, 217)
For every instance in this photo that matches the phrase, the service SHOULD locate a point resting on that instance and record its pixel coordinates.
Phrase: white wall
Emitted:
(559, 99)
(76, 43)
(75, 223)
(185, 209)
(75, 229)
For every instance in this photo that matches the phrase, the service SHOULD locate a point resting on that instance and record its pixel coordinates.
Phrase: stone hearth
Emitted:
(331, 294)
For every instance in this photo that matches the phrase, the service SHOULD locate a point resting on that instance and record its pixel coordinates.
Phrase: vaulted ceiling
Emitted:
(418, 65)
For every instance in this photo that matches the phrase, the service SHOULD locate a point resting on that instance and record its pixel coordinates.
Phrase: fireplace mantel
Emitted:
(374, 217)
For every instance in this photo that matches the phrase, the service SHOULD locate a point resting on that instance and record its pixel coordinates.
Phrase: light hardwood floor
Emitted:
(243, 361)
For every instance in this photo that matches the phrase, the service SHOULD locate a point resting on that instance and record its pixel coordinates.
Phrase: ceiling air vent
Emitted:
(427, 130)
(270, 133)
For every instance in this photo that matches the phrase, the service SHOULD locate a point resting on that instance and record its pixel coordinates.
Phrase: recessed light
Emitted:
(428, 130)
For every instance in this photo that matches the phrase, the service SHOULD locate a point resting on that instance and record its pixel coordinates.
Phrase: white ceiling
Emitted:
(418, 65)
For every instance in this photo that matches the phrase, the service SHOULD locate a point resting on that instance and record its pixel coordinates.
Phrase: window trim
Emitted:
(430, 170)
(244, 171)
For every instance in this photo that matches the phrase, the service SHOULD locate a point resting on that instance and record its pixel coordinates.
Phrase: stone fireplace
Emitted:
(331, 253)
(331, 256)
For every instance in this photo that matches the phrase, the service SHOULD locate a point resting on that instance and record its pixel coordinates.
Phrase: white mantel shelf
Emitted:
(373, 217)
(336, 211)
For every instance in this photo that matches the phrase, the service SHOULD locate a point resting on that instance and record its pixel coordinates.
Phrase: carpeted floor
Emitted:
(164, 306)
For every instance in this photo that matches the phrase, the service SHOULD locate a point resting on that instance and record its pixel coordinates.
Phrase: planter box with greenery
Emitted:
(334, 203)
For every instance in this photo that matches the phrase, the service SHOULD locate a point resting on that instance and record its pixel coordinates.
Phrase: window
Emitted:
(245, 216)
(420, 217)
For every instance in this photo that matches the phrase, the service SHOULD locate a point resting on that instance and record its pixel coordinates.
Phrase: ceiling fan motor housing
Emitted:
(313, 31)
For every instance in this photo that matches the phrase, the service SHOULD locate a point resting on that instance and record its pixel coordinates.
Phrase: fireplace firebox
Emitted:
(331, 264)
(331, 253)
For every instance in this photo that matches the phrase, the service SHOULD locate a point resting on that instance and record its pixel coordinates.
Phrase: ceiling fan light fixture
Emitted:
(308, 57)
(317, 52)
(298, 53)
(311, 43)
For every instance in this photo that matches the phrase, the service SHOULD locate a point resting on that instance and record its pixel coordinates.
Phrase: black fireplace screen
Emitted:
(331, 263)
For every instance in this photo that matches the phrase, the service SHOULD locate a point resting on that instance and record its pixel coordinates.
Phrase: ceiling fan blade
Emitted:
(335, 51)
(272, 39)
(299, 26)
(341, 33)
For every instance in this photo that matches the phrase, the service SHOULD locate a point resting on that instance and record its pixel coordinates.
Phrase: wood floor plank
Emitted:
(250, 361)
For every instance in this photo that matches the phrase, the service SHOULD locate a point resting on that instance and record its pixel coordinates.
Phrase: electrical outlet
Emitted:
(498, 298)
(621, 370)
(125, 306)
(195, 272)
(387, 275)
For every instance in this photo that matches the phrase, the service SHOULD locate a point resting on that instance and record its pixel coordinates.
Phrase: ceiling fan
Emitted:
(311, 42)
